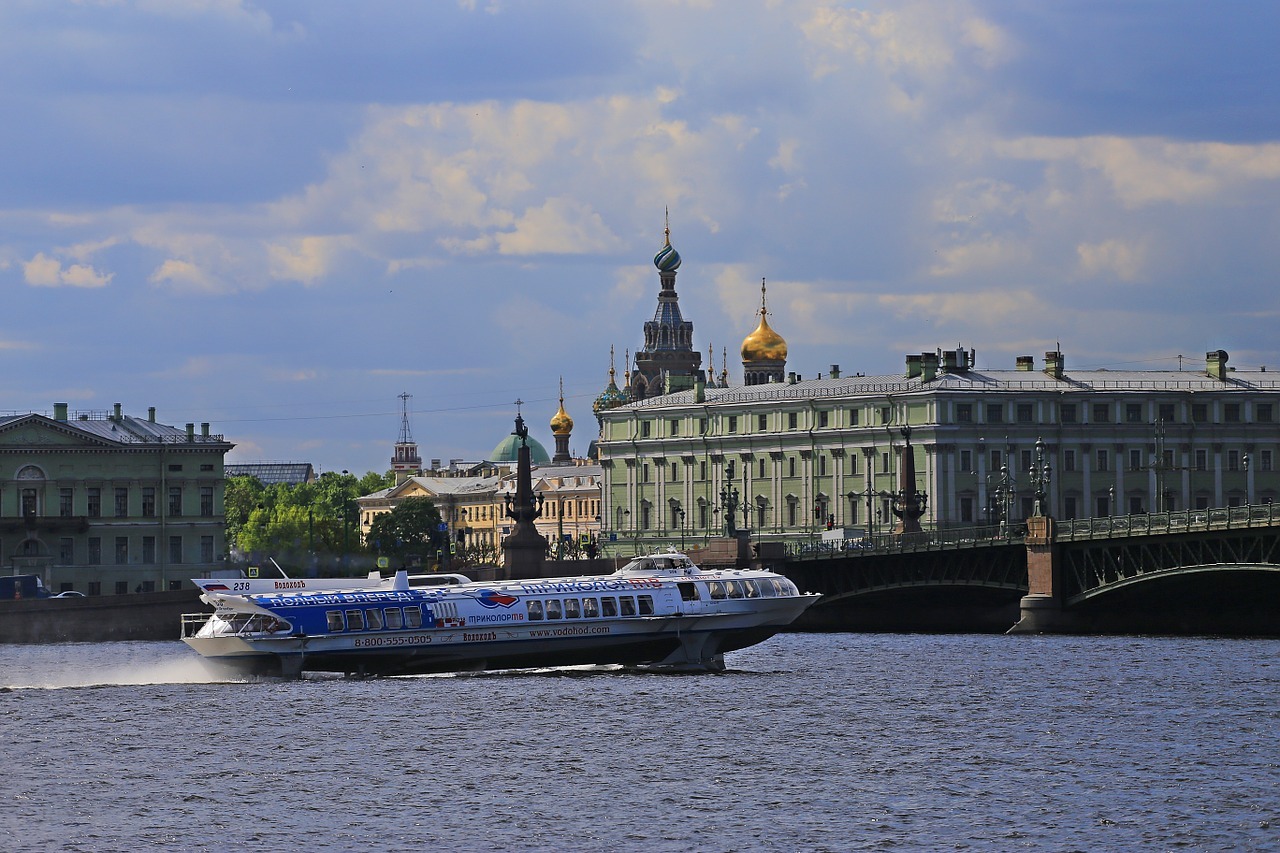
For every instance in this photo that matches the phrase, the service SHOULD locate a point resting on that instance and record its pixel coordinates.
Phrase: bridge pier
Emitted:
(1042, 610)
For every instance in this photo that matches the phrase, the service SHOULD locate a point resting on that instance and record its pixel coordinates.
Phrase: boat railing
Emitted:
(193, 622)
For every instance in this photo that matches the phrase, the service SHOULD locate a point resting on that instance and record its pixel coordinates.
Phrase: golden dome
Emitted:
(764, 344)
(561, 423)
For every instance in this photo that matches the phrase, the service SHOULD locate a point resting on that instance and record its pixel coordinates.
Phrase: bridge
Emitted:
(1192, 571)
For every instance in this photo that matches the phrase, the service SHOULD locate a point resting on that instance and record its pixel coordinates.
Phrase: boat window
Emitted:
(535, 610)
(646, 605)
(355, 620)
(571, 610)
(627, 605)
(590, 608)
(413, 617)
(750, 587)
(335, 620)
(688, 591)
(766, 588)
(663, 563)
(716, 589)
(733, 588)
(553, 608)
(778, 589)
(608, 606)
(373, 617)
(395, 618)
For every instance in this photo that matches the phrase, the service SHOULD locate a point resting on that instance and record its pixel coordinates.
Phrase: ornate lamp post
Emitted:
(1040, 475)
(729, 503)
(681, 529)
(1004, 490)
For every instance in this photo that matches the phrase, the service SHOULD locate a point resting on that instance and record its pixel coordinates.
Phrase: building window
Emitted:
(644, 473)
(1069, 507)
(1068, 460)
(1200, 412)
(1202, 460)
(122, 587)
(1101, 413)
(1135, 505)
(1166, 412)
(1067, 413)
(122, 550)
(66, 550)
(702, 469)
(702, 516)
(675, 472)
(175, 549)
(206, 549)
(791, 466)
(966, 510)
(673, 426)
(1026, 462)
(148, 502)
(95, 551)
(122, 503)
(1263, 413)
(95, 503)
(1135, 460)
(853, 463)
(1264, 460)
(762, 422)
(1024, 413)
(853, 417)
(64, 503)
(791, 420)
(177, 466)
(206, 467)
(791, 513)
(175, 501)
(29, 502)
(1133, 413)
(995, 460)
(702, 426)
(644, 516)
(733, 423)
(1231, 413)
(1233, 460)
(1103, 461)
(1104, 507)
(884, 462)
(823, 418)
(822, 466)
(966, 460)
(149, 550)
(886, 414)
(995, 413)
(645, 428)
(964, 413)
(762, 469)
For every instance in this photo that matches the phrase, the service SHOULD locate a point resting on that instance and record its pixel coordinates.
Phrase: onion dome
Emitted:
(610, 397)
(764, 344)
(667, 260)
(561, 423)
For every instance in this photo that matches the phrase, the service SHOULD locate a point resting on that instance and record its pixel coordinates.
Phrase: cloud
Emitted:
(44, 271)
(304, 259)
(560, 226)
(1113, 259)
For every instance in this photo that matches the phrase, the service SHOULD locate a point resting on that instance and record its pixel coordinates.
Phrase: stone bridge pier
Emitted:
(1043, 608)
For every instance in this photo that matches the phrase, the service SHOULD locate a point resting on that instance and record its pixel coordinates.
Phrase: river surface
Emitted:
(808, 742)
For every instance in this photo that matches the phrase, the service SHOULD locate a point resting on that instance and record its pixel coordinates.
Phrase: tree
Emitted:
(412, 527)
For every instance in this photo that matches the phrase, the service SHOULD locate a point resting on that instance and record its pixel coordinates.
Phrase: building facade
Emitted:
(790, 459)
(108, 503)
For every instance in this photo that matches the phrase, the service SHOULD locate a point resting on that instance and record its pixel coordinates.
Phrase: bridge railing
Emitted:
(1179, 521)
(929, 540)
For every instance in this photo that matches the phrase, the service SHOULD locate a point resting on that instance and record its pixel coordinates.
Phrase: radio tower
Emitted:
(405, 462)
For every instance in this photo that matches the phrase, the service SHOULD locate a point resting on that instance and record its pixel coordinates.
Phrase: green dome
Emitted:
(508, 450)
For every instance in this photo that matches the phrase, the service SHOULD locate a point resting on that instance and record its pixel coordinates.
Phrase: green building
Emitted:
(104, 503)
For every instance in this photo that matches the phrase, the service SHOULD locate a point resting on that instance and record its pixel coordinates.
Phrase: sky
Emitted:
(277, 217)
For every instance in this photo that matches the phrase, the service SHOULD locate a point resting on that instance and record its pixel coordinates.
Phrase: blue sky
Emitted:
(276, 217)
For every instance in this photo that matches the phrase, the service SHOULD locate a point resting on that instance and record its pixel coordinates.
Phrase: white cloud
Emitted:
(44, 271)
(1112, 258)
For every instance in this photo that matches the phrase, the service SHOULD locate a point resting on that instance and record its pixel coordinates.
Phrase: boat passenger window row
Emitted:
(752, 588)
(590, 608)
(374, 619)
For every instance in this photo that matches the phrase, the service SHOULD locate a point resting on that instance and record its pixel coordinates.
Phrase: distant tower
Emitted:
(610, 398)
(405, 462)
(668, 360)
(561, 427)
(764, 352)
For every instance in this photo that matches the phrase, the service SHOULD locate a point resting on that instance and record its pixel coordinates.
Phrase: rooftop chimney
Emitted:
(1026, 363)
(1053, 364)
(1216, 364)
(59, 411)
(835, 371)
(928, 366)
(204, 430)
(913, 366)
(151, 414)
(117, 414)
(191, 432)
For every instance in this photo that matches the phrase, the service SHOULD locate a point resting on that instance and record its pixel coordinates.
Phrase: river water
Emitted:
(808, 742)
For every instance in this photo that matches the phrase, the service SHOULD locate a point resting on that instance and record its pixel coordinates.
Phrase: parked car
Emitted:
(71, 593)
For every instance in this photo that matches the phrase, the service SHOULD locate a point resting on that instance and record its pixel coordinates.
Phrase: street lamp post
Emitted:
(729, 503)
(681, 529)
(1004, 491)
(1040, 475)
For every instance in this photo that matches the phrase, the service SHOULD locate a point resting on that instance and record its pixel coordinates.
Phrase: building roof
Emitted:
(120, 429)
(273, 473)
(985, 381)
(508, 450)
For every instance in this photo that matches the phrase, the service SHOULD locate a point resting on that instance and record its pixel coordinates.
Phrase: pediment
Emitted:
(411, 489)
(38, 431)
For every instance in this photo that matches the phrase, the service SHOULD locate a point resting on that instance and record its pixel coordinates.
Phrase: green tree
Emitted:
(412, 527)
